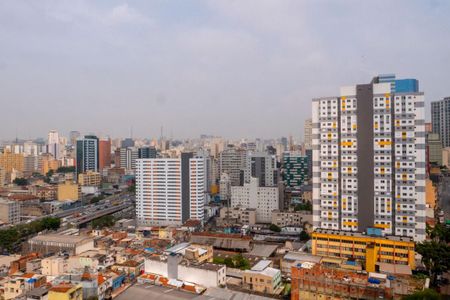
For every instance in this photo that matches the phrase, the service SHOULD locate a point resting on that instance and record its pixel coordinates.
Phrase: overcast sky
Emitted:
(233, 68)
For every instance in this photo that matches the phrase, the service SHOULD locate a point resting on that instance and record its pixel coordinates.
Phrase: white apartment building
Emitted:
(170, 190)
(251, 195)
(369, 158)
(128, 157)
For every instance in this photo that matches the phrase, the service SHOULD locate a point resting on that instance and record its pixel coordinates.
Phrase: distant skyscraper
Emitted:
(147, 152)
(369, 158)
(104, 153)
(307, 134)
(87, 154)
(232, 161)
(128, 142)
(284, 142)
(434, 147)
(440, 120)
(170, 190)
(53, 146)
(128, 157)
(73, 136)
(262, 166)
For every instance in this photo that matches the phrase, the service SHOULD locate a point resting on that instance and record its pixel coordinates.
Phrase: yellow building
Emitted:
(89, 179)
(48, 163)
(10, 161)
(430, 193)
(66, 292)
(68, 191)
(368, 249)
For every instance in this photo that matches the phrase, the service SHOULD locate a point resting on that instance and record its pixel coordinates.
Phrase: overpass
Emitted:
(81, 220)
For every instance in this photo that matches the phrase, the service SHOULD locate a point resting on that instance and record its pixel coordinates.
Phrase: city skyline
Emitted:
(184, 65)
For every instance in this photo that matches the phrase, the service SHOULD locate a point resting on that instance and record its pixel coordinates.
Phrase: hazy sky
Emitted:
(233, 68)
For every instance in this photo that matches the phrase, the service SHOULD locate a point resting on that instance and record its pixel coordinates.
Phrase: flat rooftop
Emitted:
(362, 235)
(144, 291)
(59, 238)
(263, 250)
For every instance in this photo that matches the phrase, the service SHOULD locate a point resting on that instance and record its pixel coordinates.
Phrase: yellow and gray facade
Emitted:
(369, 159)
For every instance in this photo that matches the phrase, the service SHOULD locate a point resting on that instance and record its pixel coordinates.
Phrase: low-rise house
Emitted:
(263, 278)
(174, 267)
(131, 267)
(291, 218)
(236, 215)
(54, 265)
(40, 293)
(66, 292)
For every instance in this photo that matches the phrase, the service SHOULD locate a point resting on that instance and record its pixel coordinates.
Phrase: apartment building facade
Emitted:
(369, 158)
(170, 190)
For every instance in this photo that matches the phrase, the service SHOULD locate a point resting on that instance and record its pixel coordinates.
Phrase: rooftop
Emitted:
(58, 238)
(263, 250)
(63, 288)
(270, 272)
(139, 291)
(261, 265)
(362, 235)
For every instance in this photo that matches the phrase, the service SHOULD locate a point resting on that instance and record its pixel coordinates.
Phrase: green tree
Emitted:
(435, 257)
(229, 262)
(439, 233)
(97, 199)
(132, 188)
(8, 238)
(105, 221)
(304, 236)
(65, 170)
(241, 262)
(20, 181)
(50, 223)
(307, 206)
(427, 294)
(274, 228)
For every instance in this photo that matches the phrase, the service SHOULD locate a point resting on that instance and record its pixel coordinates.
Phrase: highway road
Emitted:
(87, 213)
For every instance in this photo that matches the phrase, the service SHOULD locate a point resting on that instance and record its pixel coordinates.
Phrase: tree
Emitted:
(427, 294)
(439, 233)
(307, 206)
(132, 188)
(435, 257)
(274, 228)
(105, 221)
(65, 170)
(97, 199)
(240, 262)
(50, 223)
(20, 181)
(304, 236)
(229, 262)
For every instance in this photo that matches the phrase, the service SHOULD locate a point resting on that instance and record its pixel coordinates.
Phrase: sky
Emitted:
(236, 68)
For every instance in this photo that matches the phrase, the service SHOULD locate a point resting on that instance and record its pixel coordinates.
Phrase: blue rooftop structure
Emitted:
(400, 85)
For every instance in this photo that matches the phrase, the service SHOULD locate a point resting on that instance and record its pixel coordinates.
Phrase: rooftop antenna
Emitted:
(161, 137)
(131, 132)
